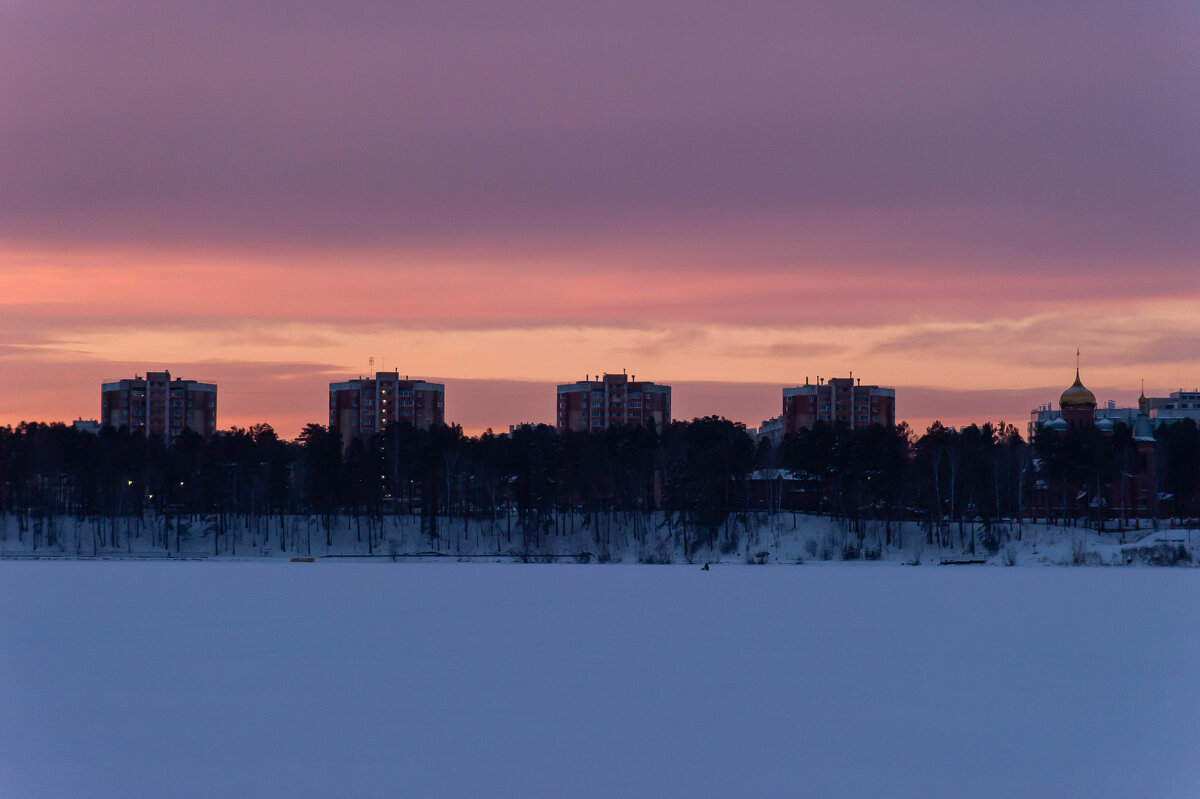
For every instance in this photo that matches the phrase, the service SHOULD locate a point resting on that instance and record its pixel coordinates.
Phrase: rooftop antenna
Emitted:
(371, 364)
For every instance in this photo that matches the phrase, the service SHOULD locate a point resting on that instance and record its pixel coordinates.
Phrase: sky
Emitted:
(948, 198)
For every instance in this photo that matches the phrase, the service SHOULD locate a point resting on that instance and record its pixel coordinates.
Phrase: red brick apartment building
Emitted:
(158, 405)
(612, 400)
(840, 399)
(366, 405)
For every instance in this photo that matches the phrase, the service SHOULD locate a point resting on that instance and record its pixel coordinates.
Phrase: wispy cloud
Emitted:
(932, 195)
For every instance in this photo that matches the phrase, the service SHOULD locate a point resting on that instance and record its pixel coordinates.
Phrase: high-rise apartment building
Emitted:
(158, 405)
(612, 400)
(839, 400)
(366, 405)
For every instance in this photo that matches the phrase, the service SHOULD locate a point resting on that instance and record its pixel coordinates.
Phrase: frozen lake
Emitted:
(129, 679)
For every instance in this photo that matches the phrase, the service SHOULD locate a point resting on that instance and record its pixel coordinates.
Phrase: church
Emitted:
(1064, 488)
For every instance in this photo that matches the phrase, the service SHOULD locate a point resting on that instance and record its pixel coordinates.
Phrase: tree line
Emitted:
(960, 484)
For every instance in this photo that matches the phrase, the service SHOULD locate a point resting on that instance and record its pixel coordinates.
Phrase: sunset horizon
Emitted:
(946, 203)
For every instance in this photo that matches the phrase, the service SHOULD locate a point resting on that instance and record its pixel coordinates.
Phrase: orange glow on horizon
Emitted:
(274, 335)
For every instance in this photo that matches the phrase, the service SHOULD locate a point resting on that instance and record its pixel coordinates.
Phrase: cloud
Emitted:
(937, 136)
(685, 337)
(1164, 349)
(19, 351)
(786, 350)
(1108, 335)
(938, 195)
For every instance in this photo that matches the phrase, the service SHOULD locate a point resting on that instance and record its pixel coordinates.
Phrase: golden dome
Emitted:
(1077, 396)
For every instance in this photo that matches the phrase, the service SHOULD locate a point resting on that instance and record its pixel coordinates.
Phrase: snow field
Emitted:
(656, 538)
(132, 679)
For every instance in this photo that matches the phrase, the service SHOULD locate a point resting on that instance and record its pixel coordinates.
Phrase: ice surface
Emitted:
(137, 679)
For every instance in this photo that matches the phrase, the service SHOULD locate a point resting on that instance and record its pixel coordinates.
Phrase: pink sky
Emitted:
(941, 197)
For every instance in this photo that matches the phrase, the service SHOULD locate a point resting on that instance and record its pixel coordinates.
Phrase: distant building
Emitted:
(87, 426)
(1078, 407)
(1133, 491)
(366, 405)
(1044, 414)
(1176, 407)
(770, 430)
(839, 400)
(158, 405)
(612, 400)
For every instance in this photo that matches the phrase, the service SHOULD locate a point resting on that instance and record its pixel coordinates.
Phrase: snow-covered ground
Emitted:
(619, 538)
(351, 679)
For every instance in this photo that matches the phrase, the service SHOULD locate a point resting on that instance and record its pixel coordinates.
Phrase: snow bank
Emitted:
(619, 538)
